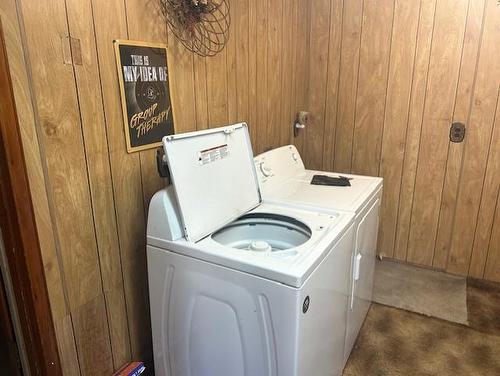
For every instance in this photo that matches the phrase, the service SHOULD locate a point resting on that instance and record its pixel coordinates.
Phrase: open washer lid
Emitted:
(214, 177)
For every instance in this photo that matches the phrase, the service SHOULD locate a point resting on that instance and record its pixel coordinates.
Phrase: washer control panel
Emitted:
(281, 162)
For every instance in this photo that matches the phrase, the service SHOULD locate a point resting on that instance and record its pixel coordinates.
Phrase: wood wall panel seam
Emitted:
(252, 71)
(372, 87)
(350, 62)
(101, 183)
(20, 74)
(92, 204)
(42, 149)
(462, 155)
(398, 100)
(403, 234)
(293, 76)
(287, 40)
(482, 275)
(321, 164)
(318, 84)
(437, 115)
(110, 170)
(118, 158)
(301, 61)
(274, 73)
(471, 273)
(20, 234)
(449, 143)
(386, 88)
(407, 121)
(483, 185)
(285, 99)
(231, 79)
(95, 229)
(331, 118)
(83, 357)
(488, 205)
(413, 251)
(261, 118)
(492, 265)
(200, 78)
(37, 126)
(357, 88)
(461, 112)
(481, 124)
(74, 196)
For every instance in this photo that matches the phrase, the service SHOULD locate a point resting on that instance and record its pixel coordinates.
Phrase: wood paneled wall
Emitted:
(386, 80)
(91, 197)
(383, 80)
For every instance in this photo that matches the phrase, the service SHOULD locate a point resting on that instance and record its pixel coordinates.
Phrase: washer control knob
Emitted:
(266, 171)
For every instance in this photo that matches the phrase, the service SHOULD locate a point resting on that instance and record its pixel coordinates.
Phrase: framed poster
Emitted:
(143, 76)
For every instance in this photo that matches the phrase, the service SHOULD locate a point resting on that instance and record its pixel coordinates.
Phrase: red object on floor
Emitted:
(131, 369)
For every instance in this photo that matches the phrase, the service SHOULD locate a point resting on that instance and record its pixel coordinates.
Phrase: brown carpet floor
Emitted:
(397, 342)
(483, 305)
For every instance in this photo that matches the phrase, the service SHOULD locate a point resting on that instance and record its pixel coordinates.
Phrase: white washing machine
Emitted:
(240, 287)
(284, 180)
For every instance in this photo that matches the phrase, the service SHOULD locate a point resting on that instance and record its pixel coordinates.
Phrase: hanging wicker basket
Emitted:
(201, 25)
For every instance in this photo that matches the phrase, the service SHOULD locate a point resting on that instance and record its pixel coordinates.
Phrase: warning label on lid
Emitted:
(213, 154)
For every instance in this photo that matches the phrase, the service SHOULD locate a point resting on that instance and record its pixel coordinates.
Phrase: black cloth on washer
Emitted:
(340, 181)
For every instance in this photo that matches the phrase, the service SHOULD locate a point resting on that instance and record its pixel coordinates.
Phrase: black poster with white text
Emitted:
(147, 107)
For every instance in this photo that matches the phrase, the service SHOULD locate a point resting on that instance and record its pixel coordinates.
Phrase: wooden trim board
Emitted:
(22, 248)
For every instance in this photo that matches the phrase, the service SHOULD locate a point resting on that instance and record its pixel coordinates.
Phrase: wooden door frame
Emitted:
(22, 247)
